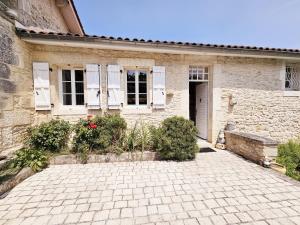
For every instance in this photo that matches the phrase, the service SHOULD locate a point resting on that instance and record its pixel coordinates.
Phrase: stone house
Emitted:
(51, 69)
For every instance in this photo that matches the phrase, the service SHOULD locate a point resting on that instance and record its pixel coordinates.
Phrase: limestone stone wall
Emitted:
(177, 83)
(43, 14)
(252, 147)
(16, 84)
(16, 103)
(257, 86)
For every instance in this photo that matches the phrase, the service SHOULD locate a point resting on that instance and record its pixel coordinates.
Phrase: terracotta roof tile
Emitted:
(33, 34)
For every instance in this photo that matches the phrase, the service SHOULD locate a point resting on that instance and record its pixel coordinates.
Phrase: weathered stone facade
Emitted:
(16, 101)
(255, 84)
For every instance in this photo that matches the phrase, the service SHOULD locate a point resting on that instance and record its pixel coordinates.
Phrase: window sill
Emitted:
(136, 110)
(71, 110)
(291, 93)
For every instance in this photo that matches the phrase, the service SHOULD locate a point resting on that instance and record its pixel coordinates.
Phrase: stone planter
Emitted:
(9, 184)
(96, 158)
(250, 146)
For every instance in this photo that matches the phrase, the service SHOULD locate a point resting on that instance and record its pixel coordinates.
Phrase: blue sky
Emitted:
(269, 23)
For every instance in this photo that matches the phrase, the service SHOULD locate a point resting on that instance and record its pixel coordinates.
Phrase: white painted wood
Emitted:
(113, 86)
(41, 86)
(159, 87)
(93, 86)
(202, 109)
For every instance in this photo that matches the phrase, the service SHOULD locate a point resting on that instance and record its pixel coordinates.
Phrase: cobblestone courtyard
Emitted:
(216, 188)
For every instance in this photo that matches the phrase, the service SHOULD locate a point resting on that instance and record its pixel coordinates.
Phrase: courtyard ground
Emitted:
(217, 188)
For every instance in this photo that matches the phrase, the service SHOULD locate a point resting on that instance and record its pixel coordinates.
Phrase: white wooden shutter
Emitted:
(93, 85)
(113, 86)
(159, 87)
(41, 86)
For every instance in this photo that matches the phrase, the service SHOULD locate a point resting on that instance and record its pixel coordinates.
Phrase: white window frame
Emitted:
(200, 73)
(137, 105)
(73, 88)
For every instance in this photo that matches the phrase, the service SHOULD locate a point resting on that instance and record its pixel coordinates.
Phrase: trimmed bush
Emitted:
(101, 133)
(51, 136)
(176, 139)
(26, 157)
(289, 156)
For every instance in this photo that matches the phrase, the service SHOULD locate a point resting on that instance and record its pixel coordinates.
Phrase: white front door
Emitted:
(202, 109)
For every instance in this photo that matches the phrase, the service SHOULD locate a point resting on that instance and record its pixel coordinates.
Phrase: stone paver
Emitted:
(216, 188)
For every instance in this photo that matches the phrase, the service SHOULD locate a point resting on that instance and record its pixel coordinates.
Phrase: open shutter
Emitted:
(159, 87)
(113, 86)
(93, 85)
(41, 86)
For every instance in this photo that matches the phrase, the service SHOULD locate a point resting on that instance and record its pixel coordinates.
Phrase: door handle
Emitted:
(98, 93)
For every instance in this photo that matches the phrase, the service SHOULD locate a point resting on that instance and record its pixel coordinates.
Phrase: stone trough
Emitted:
(253, 147)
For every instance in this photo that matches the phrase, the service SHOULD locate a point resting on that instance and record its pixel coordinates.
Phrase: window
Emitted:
(198, 73)
(136, 87)
(292, 78)
(72, 87)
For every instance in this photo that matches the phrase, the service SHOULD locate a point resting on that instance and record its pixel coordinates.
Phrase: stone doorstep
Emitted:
(110, 157)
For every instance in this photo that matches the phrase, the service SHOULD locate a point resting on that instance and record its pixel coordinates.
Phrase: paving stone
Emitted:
(73, 218)
(87, 217)
(216, 188)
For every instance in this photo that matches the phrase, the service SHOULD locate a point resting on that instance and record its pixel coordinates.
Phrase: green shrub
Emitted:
(176, 139)
(289, 156)
(51, 136)
(26, 157)
(102, 133)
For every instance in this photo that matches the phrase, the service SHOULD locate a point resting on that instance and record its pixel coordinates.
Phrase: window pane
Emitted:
(130, 87)
(131, 99)
(130, 75)
(67, 99)
(79, 87)
(66, 75)
(78, 75)
(142, 88)
(142, 76)
(67, 88)
(79, 99)
(143, 99)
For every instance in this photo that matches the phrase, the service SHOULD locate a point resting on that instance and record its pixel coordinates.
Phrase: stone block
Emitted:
(250, 146)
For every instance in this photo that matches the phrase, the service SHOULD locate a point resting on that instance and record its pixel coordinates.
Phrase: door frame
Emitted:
(208, 105)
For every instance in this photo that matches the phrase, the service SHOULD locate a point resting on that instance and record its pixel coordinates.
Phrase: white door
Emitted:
(202, 109)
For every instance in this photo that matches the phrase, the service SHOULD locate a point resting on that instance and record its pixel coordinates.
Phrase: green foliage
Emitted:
(26, 157)
(289, 156)
(51, 136)
(8, 171)
(176, 139)
(139, 138)
(102, 133)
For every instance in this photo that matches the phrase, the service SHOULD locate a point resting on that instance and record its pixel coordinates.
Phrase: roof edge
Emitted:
(195, 47)
(77, 16)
